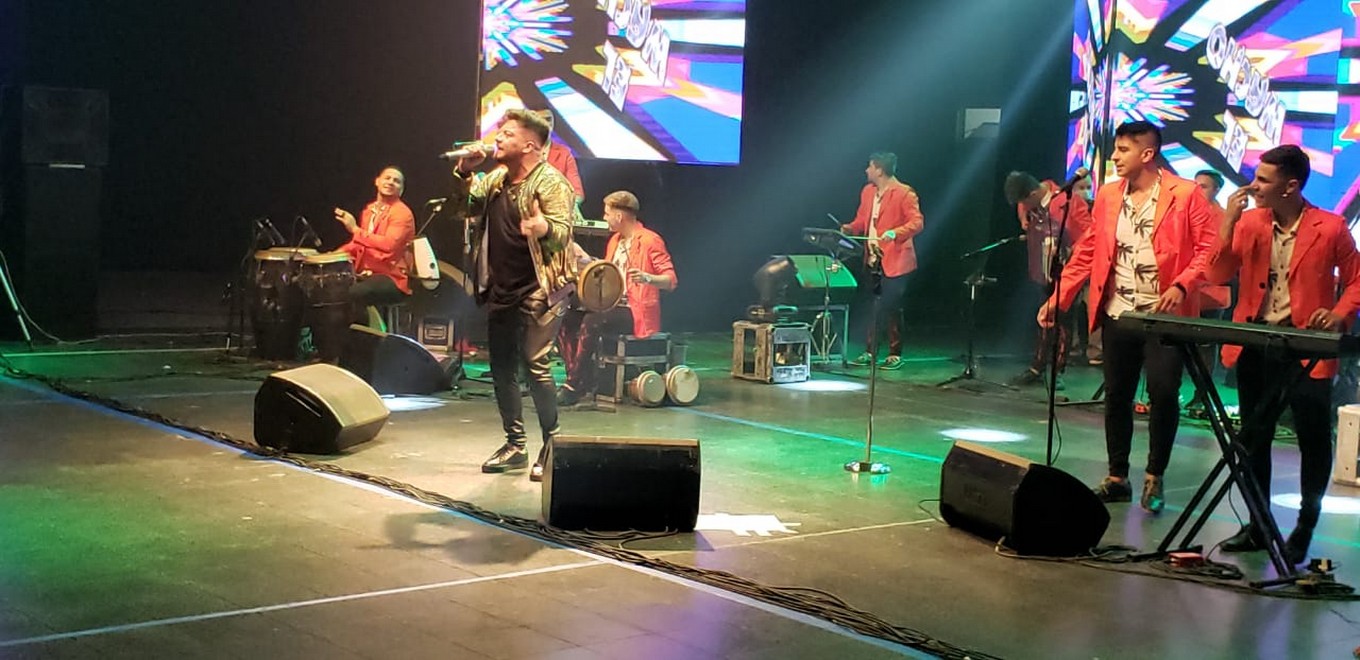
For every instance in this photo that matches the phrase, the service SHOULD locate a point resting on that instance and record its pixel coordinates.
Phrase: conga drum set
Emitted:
(296, 287)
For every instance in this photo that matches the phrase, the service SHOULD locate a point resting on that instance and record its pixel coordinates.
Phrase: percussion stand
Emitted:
(824, 319)
(868, 466)
(236, 303)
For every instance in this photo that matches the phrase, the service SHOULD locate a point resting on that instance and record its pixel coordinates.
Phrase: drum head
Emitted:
(327, 258)
(648, 389)
(599, 286)
(283, 254)
(682, 385)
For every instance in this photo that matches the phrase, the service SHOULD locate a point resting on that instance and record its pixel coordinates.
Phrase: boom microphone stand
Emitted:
(974, 282)
(1054, 268)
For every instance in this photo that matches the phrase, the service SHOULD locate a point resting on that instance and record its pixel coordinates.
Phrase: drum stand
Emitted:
(14, 303)
(868, 466)
(824, 319)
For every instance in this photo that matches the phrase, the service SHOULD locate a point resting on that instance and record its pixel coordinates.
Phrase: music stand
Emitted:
(975, 281)
(838, 247)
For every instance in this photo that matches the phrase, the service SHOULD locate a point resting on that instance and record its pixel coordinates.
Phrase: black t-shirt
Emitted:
(510, 266)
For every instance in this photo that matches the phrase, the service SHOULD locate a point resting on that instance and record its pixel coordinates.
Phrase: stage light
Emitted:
(396, 403)
(826, 386)
(983, 435)
(1345, 506)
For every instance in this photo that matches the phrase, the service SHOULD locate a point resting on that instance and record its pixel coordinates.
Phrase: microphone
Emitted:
(264, 225)
(308, 231)
(1081, 173)
(464, 152)
(436, 204)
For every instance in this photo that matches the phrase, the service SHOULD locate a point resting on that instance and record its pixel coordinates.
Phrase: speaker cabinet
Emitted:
(317, 409)
(1039, 510)
(393, 364)
(598, 483)
(65, 127)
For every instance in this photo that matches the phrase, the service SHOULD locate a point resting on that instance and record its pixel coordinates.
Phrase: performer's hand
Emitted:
(1048, 314)
(347, 219)
(479, 153)
(1324, 319)
(1237, 203)
(845, 229)
(1170, 301)
(889, 235)
(638, 276)
(534, 226)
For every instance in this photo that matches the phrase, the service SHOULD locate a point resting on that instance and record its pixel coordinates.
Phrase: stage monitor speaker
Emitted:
(1038, 510)
(317, 409)
(599, 483)
(394, 364)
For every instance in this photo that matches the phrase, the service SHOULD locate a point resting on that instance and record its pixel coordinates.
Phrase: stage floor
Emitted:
(127, 538)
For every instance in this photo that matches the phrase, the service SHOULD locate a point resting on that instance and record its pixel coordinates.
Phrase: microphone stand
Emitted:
(974, 282)
(868, 466)
(14, 302)
(1054, 268)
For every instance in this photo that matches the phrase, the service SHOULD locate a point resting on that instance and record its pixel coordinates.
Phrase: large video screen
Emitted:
(653, 80)
(1225, 80)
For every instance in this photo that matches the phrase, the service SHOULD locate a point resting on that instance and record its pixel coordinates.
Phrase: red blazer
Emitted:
(559, 156)
(386, 249)
(649, 255)
(899, 210)
(1183, 240)
(1323, 247)
(1034, 236)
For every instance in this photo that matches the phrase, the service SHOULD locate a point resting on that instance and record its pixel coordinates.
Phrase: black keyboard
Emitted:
(1293, 342)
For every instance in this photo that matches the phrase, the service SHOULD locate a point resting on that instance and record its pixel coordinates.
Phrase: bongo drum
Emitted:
(647, 389)
(682, 385)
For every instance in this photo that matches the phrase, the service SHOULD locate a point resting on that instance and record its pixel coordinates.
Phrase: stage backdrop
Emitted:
(652, 80)
(1225, 80)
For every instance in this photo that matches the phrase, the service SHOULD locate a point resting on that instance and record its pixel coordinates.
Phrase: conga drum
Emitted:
(326, 279)
(599, 286)
(647, 389)
(276, 304)
(682, 385)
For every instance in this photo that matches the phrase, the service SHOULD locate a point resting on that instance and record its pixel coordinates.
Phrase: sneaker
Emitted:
(567, 396)
(1027, 377)
(1152, 500)
(891, 362)
(1096, 361)
(1113, 490)
(508, 457)
(863, 360)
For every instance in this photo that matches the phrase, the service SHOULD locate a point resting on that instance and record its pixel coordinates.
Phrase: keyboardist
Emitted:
(1288, 254)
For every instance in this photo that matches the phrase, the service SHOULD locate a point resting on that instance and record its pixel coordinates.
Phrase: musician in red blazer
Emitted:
(1147, 250)
(1041, 207)
(641, 256)
(1291, 256)
(380, 242)
(890, 215)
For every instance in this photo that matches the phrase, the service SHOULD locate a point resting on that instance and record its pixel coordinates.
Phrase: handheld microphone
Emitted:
(268, 228)
(1078, 175)
(436, 204)
(308, 231)
(464, 152)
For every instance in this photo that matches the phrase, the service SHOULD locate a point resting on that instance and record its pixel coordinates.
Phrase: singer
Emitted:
(523, 276)
(890, 215)
(1040, 207)
(379, 244)
(1148, 249)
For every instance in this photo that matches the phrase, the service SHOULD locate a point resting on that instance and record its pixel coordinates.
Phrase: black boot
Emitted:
(1247, 539)
(508, 457)
(1296, 546)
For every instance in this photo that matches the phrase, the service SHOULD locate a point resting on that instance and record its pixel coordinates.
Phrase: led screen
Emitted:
(654, 80)
(1225, 80)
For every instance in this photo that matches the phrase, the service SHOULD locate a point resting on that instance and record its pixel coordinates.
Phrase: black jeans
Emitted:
(1311, 403)
(515, 337)
(889, 316)
(1127, 356)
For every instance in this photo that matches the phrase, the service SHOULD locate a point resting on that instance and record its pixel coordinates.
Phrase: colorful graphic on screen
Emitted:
(657, 80)
(1226, 81)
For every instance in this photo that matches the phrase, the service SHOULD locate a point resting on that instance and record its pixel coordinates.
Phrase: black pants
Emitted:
(1311, 403)
(515, 337)
(375, 290)
(1127, 356)
(1043, 343)
(888, 322)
